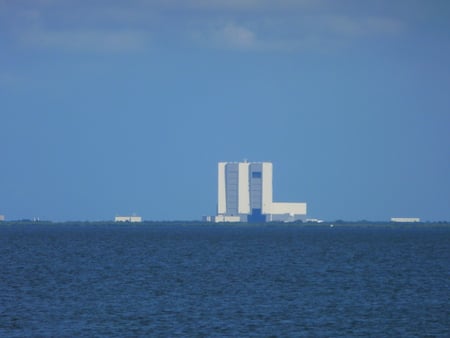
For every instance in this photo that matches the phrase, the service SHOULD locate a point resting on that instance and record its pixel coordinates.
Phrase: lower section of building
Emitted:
(279, 212)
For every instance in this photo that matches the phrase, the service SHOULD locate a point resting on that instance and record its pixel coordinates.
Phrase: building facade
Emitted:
(245, 195)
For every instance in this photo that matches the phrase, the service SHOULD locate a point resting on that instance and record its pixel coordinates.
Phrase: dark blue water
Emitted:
(286, 281)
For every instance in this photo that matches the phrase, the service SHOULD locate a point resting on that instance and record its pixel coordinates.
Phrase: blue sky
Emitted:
(124, 107)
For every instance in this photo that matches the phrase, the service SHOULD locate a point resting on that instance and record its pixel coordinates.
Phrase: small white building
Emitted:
(314, 220)
(405, 219)
(2, 218)
(131, 219)
(222, 219)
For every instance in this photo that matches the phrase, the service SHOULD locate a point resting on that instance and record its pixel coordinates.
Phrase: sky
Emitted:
(120, 107)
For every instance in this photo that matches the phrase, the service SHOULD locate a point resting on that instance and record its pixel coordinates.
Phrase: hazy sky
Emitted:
(120, 107)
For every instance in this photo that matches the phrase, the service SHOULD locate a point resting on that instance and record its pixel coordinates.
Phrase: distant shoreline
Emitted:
(335, 224)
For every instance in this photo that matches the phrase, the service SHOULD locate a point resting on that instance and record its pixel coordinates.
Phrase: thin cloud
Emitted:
(235, 36)
(385, 25)
(87, 40)
(236, 5)
(226, 24)
(312, 33)
(358, 27)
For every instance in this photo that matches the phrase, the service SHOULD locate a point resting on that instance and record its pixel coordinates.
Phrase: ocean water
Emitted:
(215, 281)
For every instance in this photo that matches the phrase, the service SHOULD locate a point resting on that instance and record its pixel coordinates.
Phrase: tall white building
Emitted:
(245, 194)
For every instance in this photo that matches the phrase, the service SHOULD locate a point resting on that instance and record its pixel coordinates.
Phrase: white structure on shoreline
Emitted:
(405, 219)
(131, 219)
(245, 195)
(2, 218)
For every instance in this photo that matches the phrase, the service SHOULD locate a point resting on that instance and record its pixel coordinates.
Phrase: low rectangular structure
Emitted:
(287, 212)
(288, 208)
(222, 218)
(2, 217)
(405, 219)
(313, 220)
(132, 219)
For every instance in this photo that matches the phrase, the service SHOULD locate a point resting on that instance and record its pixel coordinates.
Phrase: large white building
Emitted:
(245, 195)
